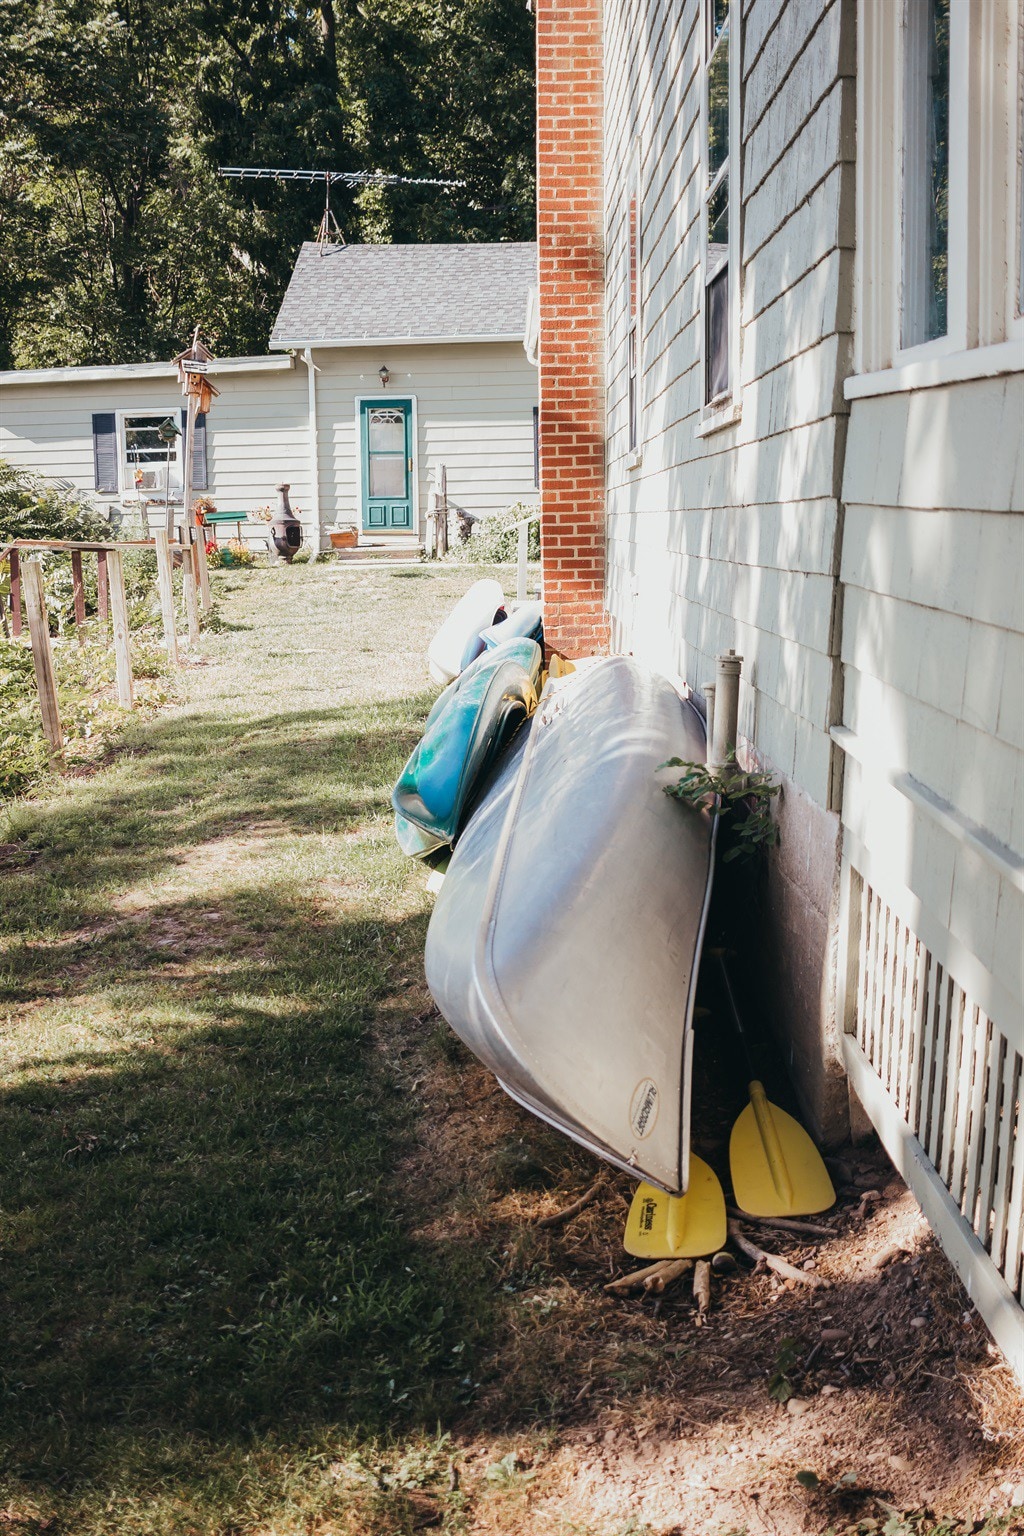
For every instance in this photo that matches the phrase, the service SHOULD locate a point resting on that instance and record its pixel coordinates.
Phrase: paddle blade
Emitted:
(661, 1226)
(776, 1168)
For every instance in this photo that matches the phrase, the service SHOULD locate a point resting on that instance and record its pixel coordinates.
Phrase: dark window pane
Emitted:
(718, 225)
(718, 108)
(716, 336)
(718, 15)
(926, 172)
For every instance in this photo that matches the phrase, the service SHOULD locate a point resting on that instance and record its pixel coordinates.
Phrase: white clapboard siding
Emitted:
(750, 561)
(933, 811)
(474, 414)
(256, 431)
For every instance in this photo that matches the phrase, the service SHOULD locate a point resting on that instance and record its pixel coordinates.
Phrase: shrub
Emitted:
(30, 508)
(494, 539)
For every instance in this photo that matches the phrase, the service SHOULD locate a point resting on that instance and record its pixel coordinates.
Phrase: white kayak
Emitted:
(565, 942)
(458, 641)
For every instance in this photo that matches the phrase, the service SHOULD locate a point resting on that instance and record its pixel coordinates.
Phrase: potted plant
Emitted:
(344, 536)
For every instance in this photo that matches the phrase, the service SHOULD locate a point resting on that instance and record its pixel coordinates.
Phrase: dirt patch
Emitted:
(881, 1386)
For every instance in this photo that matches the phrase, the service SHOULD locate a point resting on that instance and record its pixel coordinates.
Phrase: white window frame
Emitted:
(984, 332)
(124, 479)
(1016, 299)
(634, 316)
(725, 409)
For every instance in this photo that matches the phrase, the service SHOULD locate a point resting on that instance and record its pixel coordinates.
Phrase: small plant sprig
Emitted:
(732, 791)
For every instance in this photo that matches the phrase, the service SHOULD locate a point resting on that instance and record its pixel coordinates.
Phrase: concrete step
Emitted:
(367, 551)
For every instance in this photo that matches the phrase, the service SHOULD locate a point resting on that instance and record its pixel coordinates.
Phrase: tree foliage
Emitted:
(117, 235)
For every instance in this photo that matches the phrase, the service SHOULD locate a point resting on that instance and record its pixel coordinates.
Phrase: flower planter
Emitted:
(344, 538)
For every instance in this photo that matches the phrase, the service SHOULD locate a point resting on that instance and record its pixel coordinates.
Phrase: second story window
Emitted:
(719, 253)
(635, 259)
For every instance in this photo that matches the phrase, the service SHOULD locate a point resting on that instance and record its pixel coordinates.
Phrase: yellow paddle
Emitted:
(661, 1226)
(776, 1168)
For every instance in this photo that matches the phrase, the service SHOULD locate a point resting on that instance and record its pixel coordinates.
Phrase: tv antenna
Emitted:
(329, 228)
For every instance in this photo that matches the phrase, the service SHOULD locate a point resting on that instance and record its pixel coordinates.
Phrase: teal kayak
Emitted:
(475, 717)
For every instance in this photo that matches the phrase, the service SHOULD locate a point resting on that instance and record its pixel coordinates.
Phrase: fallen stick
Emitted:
(787, 1271)
(557, 1217)
(784, 1223)
(668, 1271)
(637, 1277)
(702, 1286)
(654, 1277)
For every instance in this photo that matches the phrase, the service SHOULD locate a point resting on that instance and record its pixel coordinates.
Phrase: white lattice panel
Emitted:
(952, 1075)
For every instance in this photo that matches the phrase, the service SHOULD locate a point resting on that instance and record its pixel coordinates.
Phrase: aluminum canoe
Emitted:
(565, 942)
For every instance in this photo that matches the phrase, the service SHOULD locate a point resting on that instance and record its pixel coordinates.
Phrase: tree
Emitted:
(118, 233)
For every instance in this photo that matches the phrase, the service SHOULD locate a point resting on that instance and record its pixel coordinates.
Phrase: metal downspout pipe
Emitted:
(315, 532)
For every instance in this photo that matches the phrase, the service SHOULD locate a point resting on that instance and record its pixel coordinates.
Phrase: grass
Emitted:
(217, 1316)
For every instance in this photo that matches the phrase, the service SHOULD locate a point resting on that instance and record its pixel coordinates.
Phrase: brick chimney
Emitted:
(570, 242)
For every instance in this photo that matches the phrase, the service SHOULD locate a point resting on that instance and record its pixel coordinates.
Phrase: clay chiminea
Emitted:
(285, 530)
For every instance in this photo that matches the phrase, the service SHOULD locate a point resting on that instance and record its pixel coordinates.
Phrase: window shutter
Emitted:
(199, 480)
(104, 451)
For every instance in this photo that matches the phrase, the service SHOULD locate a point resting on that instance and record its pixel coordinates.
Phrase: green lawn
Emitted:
(216, 1308)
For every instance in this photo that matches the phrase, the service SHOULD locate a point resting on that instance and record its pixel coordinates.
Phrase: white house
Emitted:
(791, 284)
(390, 361)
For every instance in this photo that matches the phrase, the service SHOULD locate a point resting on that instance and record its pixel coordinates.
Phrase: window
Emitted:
(150, 467)
(635, 307)
(939, 192)
(925, 172)
(719, 202)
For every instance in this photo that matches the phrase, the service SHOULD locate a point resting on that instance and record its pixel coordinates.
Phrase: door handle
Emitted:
(410, 466)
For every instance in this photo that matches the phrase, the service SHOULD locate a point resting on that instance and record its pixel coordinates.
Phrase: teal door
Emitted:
(385, 433)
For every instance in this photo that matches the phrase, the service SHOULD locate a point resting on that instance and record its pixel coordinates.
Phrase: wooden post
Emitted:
(102, 587)
(78, 588)
(42, 659)
(15, 593)
(119, 612)
(165, 584)
(204, 571)
(188, 587)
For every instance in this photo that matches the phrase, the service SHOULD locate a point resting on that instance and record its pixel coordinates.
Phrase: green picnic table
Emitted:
(213, 519)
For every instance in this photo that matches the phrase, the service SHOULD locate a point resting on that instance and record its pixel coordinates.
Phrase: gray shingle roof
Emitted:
(424, 292)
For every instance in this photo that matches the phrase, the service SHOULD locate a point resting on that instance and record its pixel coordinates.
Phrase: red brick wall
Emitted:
(571, 293)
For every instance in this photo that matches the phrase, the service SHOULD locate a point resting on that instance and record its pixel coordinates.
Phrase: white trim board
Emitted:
(982, 1281)
(128, 371)
(929, 373)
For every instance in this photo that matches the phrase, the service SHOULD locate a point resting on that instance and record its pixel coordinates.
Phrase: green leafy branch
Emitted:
(743, 797)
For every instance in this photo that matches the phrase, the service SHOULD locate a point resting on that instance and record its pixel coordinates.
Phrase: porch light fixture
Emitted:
(385, 375)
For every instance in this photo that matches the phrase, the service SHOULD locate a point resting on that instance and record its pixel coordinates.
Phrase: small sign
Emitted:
(194, 365)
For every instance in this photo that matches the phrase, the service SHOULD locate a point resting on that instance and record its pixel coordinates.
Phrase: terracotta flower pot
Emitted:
(345, 538)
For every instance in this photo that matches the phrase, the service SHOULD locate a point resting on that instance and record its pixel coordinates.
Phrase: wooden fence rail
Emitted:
(111, 603)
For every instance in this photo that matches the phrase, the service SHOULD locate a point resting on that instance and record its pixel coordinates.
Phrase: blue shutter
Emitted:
(199, 481)
(104, 451)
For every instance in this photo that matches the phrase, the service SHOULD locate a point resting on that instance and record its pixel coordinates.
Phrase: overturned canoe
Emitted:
(566, 938)
(458, 641)
(468, 726)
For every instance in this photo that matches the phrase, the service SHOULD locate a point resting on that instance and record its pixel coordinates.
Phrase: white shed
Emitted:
(391, 362)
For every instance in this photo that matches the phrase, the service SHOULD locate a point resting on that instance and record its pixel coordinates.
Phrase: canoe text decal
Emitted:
(643, 1108)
